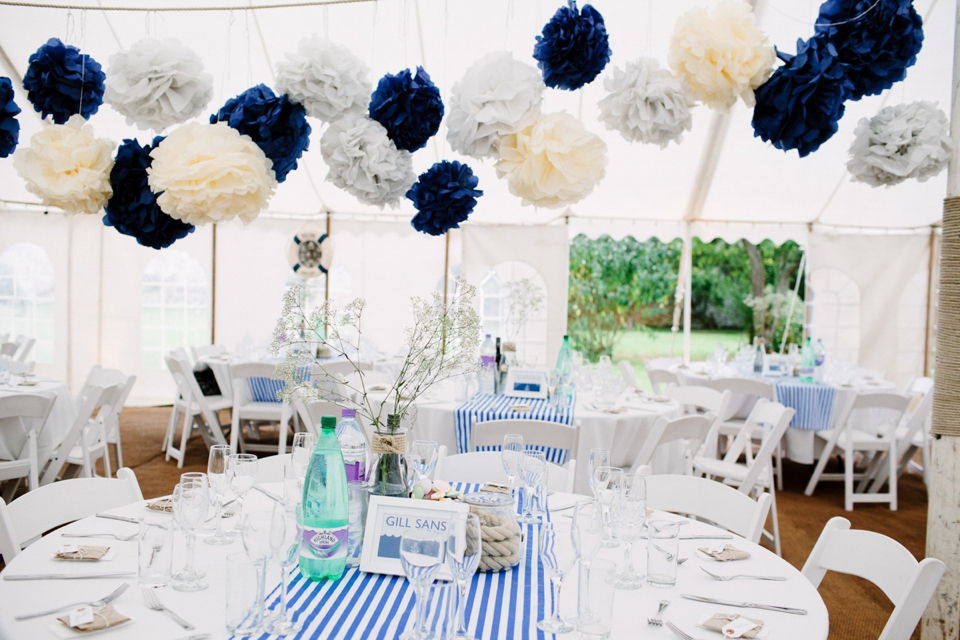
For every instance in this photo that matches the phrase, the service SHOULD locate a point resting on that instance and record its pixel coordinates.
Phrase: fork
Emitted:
(153, 602)
(680, 634)
(99, 535)
(670, 555)
(657, 621)
(96, 603)
(741, 575)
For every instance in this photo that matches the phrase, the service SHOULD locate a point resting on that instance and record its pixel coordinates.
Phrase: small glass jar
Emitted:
(500, 532)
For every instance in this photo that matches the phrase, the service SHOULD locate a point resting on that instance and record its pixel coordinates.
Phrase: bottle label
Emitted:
(325, 544)
(356, 473)
(487, 360)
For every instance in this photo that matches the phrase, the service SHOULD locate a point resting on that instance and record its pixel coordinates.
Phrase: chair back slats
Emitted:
(486, 466)
(541, 433)
(626, 372)
(746, 386)
(692, 429)
(774, 418)
(98, 398)
(660, 379)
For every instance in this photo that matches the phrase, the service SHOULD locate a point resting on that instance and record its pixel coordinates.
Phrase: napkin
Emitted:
(719, 620)
(728, 552)
(103, 617)
(163, 504)
(83, 552)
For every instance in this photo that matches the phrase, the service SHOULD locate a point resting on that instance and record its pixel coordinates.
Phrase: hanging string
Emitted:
(83, 59)
(824, 24)
(226, 60)
(246, 38)
(649, 34)
(71, 29)
(326, 22)
(373, 37)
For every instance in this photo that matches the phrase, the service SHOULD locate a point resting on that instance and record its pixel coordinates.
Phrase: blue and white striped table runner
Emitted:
(483, 407)
(812, 402)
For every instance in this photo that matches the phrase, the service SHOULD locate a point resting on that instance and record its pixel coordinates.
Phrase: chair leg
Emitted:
(776, 522)
(894, 476)
(118, 449)
(871, 471)
(848, 485)
(234, 431)
(34, 475)
(171, 430)
(778, 464)
(185, 437)
(818, 471)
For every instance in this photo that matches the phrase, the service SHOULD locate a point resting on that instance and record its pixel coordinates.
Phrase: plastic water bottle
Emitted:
(807, 363)
(323, 555)
(819, 356)
(488, 365)
(353, 445)
(565, 369)
(758, 359)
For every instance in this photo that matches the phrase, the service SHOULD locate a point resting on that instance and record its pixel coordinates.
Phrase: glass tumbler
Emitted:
(663, 545)
(244, 613)
(599, 625)
(155, 552)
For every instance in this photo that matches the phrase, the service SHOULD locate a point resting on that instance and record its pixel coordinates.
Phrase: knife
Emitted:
(718, 536)
(110, 516)
(65, 576)
(750, 605)
(268, 494)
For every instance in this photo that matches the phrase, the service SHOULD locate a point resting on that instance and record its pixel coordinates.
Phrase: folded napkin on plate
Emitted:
(81, 552)
(163, 504)
(103, 617)
(728, 552)
(718, 621)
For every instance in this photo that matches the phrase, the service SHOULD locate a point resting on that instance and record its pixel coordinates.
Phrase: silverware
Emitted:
(198, 636)
(96, 603)
(110, 516)
(657, 621)
(268, 494)
(153, 602)
(741, 575)
(99, 535)
(747, 605)
(680, 634)
(719, 536)
(66, 576)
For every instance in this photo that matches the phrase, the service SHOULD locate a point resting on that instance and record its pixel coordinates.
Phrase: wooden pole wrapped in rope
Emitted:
(946, 395)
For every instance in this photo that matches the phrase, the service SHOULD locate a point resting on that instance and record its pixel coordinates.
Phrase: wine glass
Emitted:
(628, 513)
(463, 558)
(219, 479)
(421, 554)
(287, 554)
(191, 501)
(587, 539)
(607, 481)
(557, 556)
(428, 451)
(533, 464)
(303, 445)
(510, 457)
(598, 458)
(262, 533)
(411, 470)
(242, 471)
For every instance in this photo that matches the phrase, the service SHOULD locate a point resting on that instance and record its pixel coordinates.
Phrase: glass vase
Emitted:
(388, 446)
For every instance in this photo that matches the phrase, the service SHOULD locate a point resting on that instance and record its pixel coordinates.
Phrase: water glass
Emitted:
(287, 534)
(242, 471)
(463, 558)
(191, 501)
(421, 555)
(510, 454)
(428, 452)
(301, 452)
(587, 538)
(627, 514)
(663, 545)
(599, 625)
(607, 481)
(219, 479)
(557, 555)
(155, 552)
(244, 613)
(533, 466)
(598, 458)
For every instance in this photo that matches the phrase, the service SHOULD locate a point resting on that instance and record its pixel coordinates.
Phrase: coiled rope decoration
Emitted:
(946, 390)
(500, 542)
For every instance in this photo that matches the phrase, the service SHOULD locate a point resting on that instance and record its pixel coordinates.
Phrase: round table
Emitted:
(13, 432)
(205, 609)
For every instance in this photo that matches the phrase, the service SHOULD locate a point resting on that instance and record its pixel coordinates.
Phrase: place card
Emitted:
(81, 552)
(81, 616)
(101, 618)
(733, 625)
(725, 553)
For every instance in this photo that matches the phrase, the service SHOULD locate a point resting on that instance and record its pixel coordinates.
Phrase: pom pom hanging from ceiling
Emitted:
(60, 81)
(133, 208)
(326, 78)
(444, 196)
(9, 127)
(409, 107)
(573, 48)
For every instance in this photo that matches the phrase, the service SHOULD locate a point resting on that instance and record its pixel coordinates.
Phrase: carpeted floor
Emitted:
(858, 610)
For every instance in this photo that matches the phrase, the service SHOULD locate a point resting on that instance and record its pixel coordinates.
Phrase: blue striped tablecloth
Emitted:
(483, 407)
(813, 403)
(500, 606)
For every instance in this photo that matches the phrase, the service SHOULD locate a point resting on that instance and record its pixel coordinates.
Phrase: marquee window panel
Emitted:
(27, 285)
(174, 306)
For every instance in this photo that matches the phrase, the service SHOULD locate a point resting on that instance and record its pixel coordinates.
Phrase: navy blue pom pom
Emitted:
(800, 105)
(277, 125)
(132, 209)
(61, 81)
(574, 47)
(444, 196)
(878, 40)
(409, 107)
(9, 127)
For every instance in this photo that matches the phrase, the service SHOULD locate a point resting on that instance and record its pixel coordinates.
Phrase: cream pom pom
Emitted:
(365, 162)
(906, 141)
(157, 83)
(326, 78)
(723, 56)
(67, 167)
(210, 173)
(553, 162)
(646, 104)
(497, 95)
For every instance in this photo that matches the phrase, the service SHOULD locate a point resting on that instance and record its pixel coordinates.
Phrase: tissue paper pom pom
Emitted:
(326, 78)
(56, 78)
(799, 107)
(723, 56)
(444, 197)
(133, 209)
(574, 47)
(9, 127)
(906, 141)
(553, 162)
(497, 95)
(365, 162)
(278, 126)
(646, 104)
(210, 173)
(67, 167)
(878, 45)
(409, 107)
(157, 83)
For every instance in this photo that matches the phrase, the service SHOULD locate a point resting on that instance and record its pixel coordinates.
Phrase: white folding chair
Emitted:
(486, 466)
(660, 379)
(709, 500)
(207, 351)
(910, 437)
(25, 347)
(848, 441)
(883, 561)
(691, 430)
(245, 377)
(756, 473)
(85, 441)
(198, 412)
(538, 433)
(26, 413)
(102, 377)
(698, 399)
(731, 425)
(29, 516)
(628, 375)
(340, 367)
(918, 389)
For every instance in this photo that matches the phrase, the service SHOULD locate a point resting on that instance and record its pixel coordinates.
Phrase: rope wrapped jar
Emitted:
(501, 539)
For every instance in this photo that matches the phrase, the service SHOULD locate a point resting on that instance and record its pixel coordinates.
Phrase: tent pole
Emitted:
(941, 621)
(326, 289)
(446, 266)
(678, 296)
(687, 293)
(213, 287)
(793, 302)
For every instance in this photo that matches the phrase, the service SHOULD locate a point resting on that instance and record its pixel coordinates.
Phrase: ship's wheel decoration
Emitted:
(310, 252)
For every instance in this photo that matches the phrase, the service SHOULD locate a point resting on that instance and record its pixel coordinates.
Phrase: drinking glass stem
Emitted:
(628, 558)
(583, 590)
(284, 614)
(190, 535)
(261, 586)
(219, 532)
(461, 608)
(556, 581)
(421, 596)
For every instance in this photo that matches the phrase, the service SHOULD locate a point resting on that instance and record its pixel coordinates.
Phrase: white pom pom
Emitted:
(497, 95)
(365, 162)
(553, 162)
(646, 104)
(326, 78)
(157, 84)
(210, 173)
(906, 141)
(722, 56)
(67, 167)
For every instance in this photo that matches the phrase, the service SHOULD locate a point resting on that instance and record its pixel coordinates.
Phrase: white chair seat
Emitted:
(260, 410)
(858, 438)
(729, 470)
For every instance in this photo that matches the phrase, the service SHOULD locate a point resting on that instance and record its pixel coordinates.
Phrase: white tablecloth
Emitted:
(13, 432)
(205, 609)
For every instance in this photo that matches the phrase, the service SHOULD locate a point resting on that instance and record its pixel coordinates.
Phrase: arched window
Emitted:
(174, 306)
(835, 313)
(27, 285)
(513, 305)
